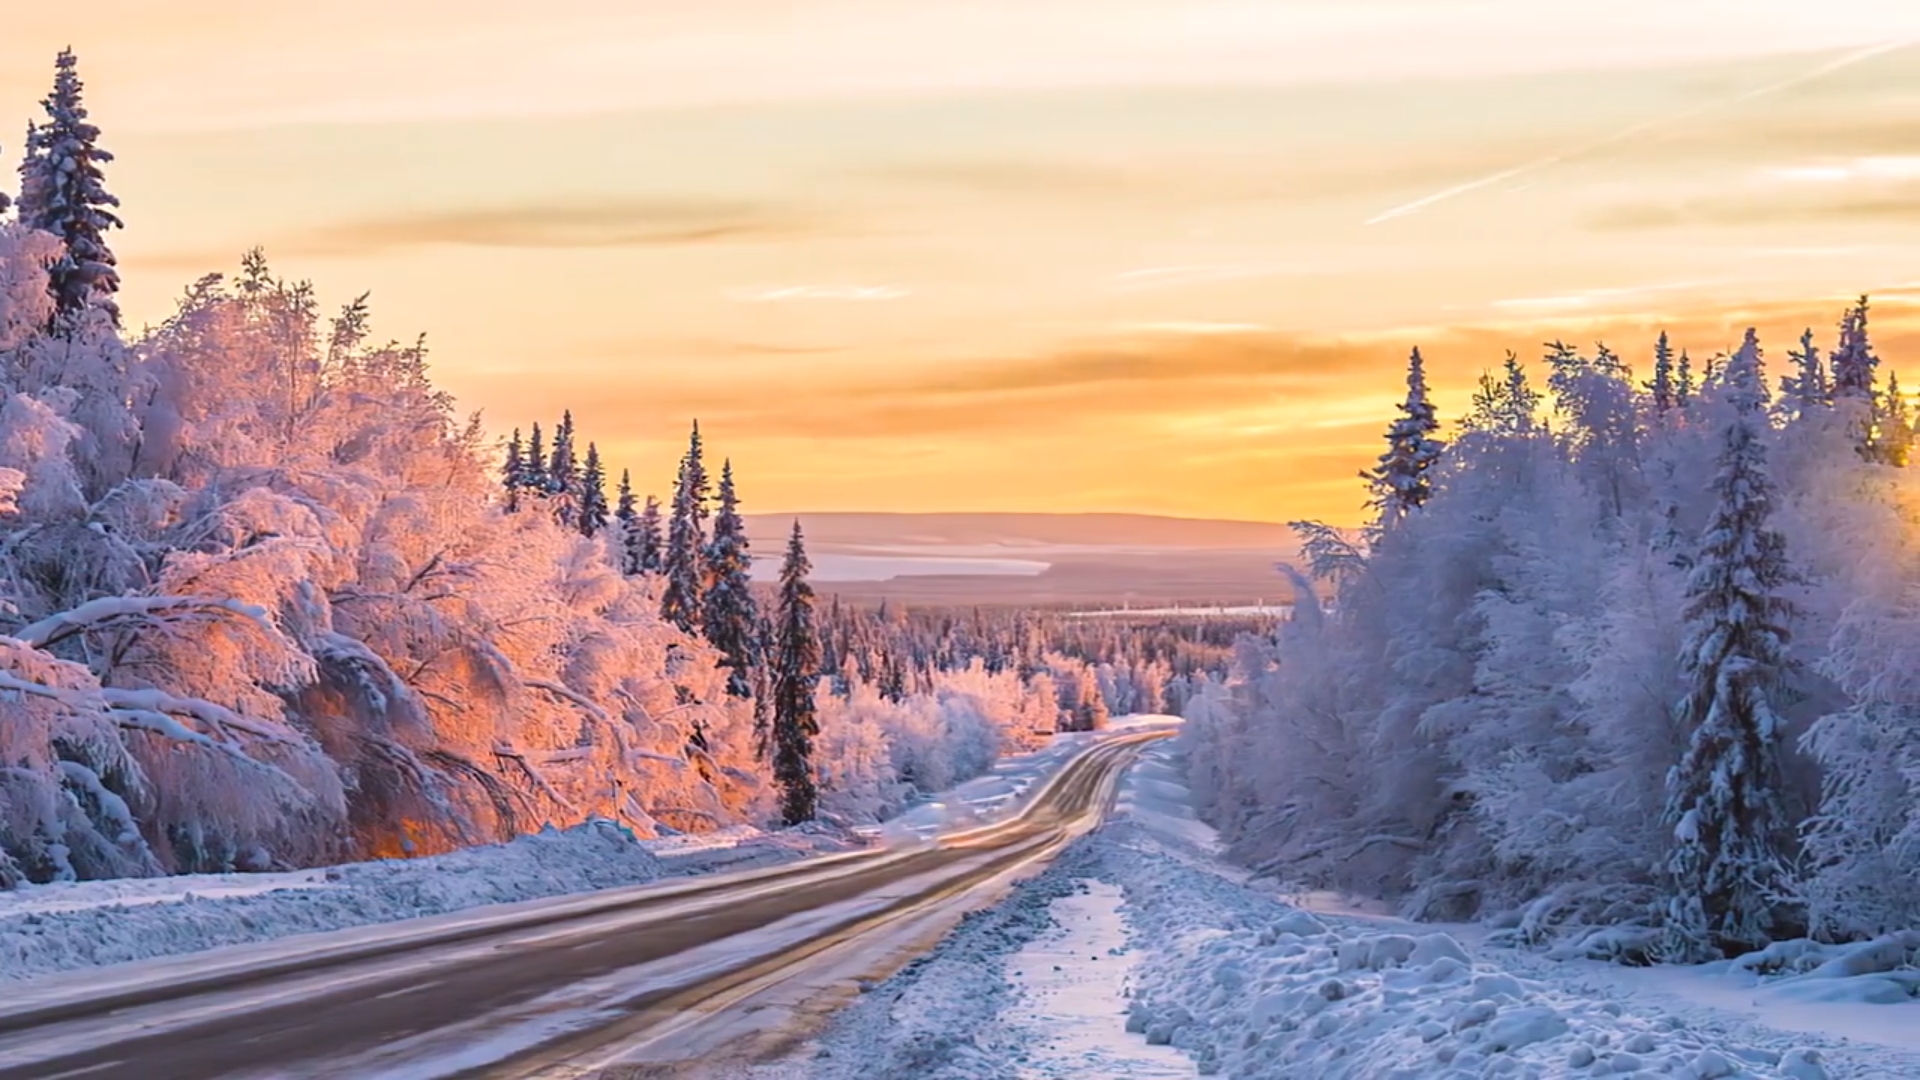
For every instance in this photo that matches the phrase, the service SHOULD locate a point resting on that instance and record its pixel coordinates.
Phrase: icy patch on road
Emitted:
(1072, 986)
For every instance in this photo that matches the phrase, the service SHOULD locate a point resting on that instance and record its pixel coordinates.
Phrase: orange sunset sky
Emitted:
(1145, 255)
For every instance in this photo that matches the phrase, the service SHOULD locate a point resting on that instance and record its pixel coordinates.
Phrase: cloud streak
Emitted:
(586, 223)
(1857, 56)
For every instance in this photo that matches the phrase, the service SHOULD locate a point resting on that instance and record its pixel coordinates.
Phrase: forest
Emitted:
(1624, 664)
(268, 599)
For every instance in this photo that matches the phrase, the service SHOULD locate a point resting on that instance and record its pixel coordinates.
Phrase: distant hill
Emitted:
(1019, 530)
(1063, 560)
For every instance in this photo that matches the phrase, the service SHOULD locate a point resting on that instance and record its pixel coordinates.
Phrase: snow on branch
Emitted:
(110, 611)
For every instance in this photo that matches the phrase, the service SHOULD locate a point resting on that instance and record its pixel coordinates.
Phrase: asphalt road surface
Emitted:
(654, 959)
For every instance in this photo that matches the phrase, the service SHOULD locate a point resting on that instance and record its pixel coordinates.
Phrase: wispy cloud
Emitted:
(1841, 63)
(589, 222)
(774, 294)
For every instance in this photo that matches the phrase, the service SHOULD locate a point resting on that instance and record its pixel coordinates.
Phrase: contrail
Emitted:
(1822, 71)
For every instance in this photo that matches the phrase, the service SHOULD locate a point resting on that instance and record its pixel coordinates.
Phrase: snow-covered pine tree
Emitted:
(1896, 425)
(1854, 393)
(1726, 869)
(651, 544)
(563, 474)
(796, 670)
(1662, 387)
(728, 612)
(511, 472)
(1683, 387)
(533, 481)
(767, 643)
(1805, 390)
(591, 514)
(686, 540)
(1400, 482)
(63, 192)
(626, 520)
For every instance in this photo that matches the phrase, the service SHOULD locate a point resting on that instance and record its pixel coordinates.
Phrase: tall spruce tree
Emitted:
(591, 513)
(686, 540)
(1727, 869)
(626, 520)
(728, 611)
(1854, 393)
(1805, 390)
(1662, 386)
(563, 474)
(796, 670)
(1400, 482)
(651, 545)
(63, 192)
(511, 472)
(1896, 425)
(534, 481)
(1683, 387)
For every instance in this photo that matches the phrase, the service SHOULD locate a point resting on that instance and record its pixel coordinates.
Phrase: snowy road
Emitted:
(642, 975)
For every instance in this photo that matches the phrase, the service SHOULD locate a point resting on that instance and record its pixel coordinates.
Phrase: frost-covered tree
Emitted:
(626, 523)
(683, 560)
(651, 546)
(564, 489)
(796, 672)
(512, 473)
(1665, 392)
(1400, 483)
(1804, 392)
(1853, 383)
(591, 515)
(534, 479)
(63, 192)
(729, 616)
(1728, 863)
(1896, 425)
(1683, 385)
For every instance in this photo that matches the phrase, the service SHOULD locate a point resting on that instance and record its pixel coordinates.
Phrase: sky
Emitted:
(1159, 256)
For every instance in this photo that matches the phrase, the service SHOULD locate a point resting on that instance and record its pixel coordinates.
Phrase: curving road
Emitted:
(562, 991)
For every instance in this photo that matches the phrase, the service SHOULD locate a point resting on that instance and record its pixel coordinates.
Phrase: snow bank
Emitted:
(1253, 987)
(48, 928)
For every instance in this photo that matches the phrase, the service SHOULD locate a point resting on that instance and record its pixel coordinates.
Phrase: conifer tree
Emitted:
(651, 545)
(591, 515)
(627, 521)
(1662, 386)
(534, 481)
(1806, 389)
(1854, 392)
(728, 612)
(686, 540)
(510, 473)
(1400, 482)
(1896, 426)
(1726, 869)
(796, 670)
(563, 473)
(63, 192)
(1683, 387)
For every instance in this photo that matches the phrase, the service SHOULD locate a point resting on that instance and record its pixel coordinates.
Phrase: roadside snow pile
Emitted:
(944, 1016)
(1253, 988)
(1884, 971)
(50, 928)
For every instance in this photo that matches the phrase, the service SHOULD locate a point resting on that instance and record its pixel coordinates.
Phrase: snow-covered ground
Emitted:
(1138, 948)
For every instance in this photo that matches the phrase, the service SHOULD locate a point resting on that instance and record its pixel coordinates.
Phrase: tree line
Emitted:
(1623, 662)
